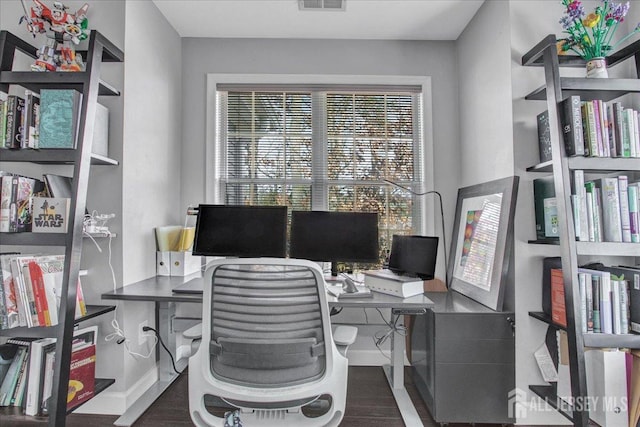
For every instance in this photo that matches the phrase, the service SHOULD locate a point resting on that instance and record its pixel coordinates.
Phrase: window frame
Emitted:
(214, 148)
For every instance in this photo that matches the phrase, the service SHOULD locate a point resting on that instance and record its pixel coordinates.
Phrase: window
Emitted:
(323, 148)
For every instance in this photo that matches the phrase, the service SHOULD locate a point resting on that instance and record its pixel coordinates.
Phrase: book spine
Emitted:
(544, 137)
(623, 197)
(634, 214)
(606, 315)
(597, 120)
(591, 210)
(13, 204)
(572, 127)
(558, 310)
(9, 121)
(611, 221)
(578, 181)
(37, 283)
(5, 202)
(18, 393)
(595, 289)
(582, 282)
(550, 217)
(611, 130)
(3, 104)
(618, 128)
(589, 301)
(633, 147)
(616, 313)
(591, 131)
(628, 132)
(624, 307)
(8, 384)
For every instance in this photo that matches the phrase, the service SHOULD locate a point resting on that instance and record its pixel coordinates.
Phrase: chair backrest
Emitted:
(269, 322)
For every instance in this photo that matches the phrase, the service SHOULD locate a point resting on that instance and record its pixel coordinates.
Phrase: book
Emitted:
(618, 128)
(82, 376)
(7, 353)
(550, 217)
(589, 126)
(633, 192)
(50, 214)
(59, 117)
(631, 277)
(13, 118)
(24, 291)
(389, 283)
(623, 198)
(572, 126)
(7, 388)
(544, 136)
(6, 182)
(613, 150)
(21, 382)
(543, 188)
(611, 221)
(4, 296)
(82, 369)
(558, 310)
(52, 267)
(33, 271)
(47, 380)
(23, 188)
(31, 123)
(582, 224)
(8, 288)
(39, 348)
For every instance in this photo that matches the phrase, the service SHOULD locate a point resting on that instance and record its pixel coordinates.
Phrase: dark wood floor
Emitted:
(369, 404)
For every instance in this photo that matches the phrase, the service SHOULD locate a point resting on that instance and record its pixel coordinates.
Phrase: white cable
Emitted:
(119, 333)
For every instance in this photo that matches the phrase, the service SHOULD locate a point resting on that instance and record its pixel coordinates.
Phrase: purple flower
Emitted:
(566, 22)
(575, 10)
(618, 11)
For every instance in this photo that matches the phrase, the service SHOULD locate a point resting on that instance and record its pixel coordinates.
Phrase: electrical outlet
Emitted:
(142, 335)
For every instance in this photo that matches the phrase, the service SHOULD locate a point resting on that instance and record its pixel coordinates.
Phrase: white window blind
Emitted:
(324, 148)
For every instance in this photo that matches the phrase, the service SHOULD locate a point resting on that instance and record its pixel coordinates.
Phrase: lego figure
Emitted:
(58, 54)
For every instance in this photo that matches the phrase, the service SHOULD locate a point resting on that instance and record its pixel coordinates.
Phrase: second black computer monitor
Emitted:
(414, 256)
(334, 236)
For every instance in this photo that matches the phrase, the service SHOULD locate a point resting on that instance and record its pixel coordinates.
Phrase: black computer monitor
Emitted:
(334, 236)
(241, 231)
(413, 256)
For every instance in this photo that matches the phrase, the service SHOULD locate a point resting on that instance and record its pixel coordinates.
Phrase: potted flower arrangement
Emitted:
(590, 35)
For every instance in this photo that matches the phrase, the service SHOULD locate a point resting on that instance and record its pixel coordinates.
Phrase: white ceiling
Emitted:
(362, 19)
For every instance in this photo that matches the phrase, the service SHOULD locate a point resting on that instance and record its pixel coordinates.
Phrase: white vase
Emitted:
(597, 68)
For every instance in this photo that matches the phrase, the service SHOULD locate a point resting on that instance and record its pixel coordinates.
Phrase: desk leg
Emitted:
(165, 312)
(395, 377)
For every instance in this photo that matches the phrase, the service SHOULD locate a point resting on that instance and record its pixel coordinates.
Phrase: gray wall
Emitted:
(319, 57)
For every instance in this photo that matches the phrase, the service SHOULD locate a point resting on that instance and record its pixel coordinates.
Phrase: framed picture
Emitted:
(481, 245)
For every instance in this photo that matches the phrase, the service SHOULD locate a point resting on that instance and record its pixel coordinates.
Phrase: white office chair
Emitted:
(267, 347)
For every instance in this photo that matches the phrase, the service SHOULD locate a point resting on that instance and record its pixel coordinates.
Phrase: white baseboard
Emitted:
(116, 403)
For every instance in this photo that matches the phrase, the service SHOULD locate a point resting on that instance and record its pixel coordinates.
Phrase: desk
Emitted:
(159, 290)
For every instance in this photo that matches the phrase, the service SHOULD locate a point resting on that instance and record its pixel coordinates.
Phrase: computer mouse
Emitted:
(349, 285)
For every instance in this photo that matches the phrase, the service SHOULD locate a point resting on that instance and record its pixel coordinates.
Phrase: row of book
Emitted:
(27, 381)
(609, 299)
(31, 204)
(45, 120)
(593, 128)
(30, 290)
(606, 209)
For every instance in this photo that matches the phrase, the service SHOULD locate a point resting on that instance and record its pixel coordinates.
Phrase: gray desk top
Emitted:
(159, 288)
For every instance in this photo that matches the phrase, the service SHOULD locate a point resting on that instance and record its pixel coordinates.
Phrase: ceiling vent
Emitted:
(334, 5)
